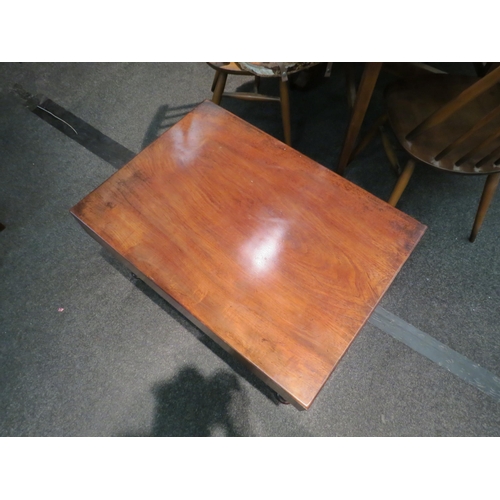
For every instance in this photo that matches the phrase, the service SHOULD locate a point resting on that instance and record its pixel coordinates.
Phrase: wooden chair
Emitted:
(359, 97)
(259, 70)
(452, 123)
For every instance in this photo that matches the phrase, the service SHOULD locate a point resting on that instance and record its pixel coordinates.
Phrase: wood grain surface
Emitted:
(277, 258)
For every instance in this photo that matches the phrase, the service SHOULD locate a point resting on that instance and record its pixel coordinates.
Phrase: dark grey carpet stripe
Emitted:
(435, 351)
(83, 133)
(75, 128)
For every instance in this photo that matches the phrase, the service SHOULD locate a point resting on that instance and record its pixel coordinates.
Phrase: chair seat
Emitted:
(264, 69)
(410, 102)
(270, 69)
(230, 68)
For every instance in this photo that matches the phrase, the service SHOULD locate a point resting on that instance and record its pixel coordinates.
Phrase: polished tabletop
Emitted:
(278, 259)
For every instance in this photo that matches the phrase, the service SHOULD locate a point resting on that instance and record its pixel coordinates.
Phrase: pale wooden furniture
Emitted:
(451, 123)
(359, 97)
(276, 258)
(277, 70)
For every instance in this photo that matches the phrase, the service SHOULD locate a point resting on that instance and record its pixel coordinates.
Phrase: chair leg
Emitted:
(219, 87)
(389, 151)
(368, 137)
(363, 96)
(402, 182)
(256, 84)
(216, 76)
(285, 111)
(490, 187)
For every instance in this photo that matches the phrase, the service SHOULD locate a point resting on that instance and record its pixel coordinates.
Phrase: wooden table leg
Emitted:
(364, 94)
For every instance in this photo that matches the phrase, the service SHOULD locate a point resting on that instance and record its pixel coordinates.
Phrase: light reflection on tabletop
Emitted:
(262, 251)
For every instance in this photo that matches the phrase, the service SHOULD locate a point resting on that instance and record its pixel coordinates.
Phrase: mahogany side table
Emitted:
(275, 257)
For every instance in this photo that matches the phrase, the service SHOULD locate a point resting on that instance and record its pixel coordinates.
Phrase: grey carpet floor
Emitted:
(87, 350)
